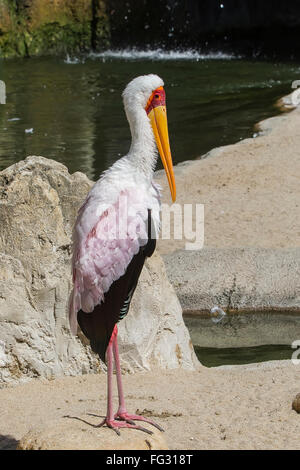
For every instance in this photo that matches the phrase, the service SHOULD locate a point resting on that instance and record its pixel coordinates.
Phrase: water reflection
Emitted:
(214, 357)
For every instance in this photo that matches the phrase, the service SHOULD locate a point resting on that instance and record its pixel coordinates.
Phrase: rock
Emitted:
(296, 403)
(287, 103)
(237, 279)
(268, 125)
(258, 288)
(154, 333)
(39, 200)
(77, 434)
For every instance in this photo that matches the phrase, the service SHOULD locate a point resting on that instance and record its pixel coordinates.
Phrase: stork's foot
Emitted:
(128, 418)
(116, 424)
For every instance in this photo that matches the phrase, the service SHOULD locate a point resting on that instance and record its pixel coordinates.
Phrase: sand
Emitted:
(243, 407)
(250, 190)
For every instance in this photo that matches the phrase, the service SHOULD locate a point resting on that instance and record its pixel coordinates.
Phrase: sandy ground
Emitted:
(250, 190)
(244, 407)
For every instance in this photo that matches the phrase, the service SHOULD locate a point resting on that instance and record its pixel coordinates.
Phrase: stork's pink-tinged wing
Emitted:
(102, 253)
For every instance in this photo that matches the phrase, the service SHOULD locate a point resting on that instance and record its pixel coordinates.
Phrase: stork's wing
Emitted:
(103, 253)
(99, 325)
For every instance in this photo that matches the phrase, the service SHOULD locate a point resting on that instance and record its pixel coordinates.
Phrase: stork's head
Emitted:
(146, 92)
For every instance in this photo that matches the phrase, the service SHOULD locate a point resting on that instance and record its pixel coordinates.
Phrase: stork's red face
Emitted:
(158, 98)
(157, 113)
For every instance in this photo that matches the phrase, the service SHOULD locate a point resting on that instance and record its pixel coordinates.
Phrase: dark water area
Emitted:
(214, 357)
(269, 28)
(71, 110)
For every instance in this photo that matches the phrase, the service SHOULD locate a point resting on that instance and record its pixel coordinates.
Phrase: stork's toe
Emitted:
(130, 418)
(116, 424)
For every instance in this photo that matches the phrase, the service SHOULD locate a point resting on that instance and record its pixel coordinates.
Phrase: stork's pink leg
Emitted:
(122, 413)
(110, 420)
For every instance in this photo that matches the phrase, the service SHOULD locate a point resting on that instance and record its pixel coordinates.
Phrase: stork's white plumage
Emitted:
(112, 233)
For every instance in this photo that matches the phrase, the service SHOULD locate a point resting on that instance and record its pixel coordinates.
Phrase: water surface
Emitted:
(70, 109)
(214, 357)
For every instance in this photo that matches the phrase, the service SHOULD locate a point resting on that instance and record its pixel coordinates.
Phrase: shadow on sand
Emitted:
(8, 443)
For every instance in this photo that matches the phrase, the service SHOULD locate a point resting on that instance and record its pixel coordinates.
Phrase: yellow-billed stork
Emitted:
(116, 230)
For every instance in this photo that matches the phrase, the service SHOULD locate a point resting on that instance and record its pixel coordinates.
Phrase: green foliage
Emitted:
(40, 29)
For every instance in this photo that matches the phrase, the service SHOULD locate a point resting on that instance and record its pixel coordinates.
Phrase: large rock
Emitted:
(258, 288)
(237, 279)
(81, 434)
(154, 333)
(38, 206)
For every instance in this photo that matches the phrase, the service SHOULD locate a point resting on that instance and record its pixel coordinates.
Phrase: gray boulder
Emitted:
(236, 279)
(258, 288)
(39, 200)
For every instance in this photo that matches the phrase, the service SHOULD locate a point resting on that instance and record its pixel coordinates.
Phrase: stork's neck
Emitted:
(142, 153)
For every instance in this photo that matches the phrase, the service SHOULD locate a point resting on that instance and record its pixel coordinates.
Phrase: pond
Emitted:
(214, 357)
(70, 109)
(244, 338)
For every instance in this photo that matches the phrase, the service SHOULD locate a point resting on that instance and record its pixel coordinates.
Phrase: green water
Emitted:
(213, 357)
(76, 114)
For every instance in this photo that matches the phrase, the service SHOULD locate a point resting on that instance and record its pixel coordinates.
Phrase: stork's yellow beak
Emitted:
(158, 118)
